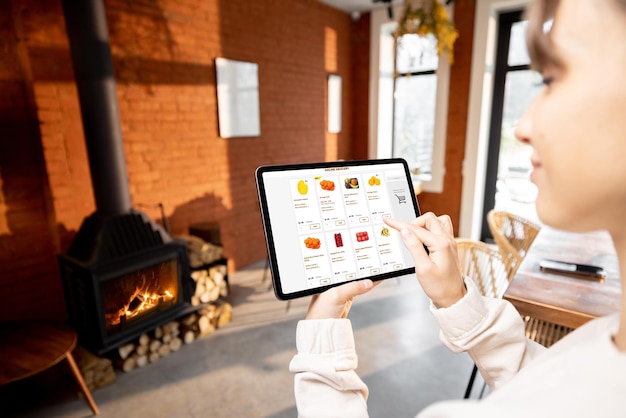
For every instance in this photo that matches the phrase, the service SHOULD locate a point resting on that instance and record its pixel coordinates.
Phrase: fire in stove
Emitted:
(132, 296)
(140, 301)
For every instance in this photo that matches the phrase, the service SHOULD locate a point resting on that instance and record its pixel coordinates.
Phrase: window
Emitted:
(415, 97)
(410, 105)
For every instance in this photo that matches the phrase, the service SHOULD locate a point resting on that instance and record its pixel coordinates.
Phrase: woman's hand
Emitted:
(437, 272)
(337, 301)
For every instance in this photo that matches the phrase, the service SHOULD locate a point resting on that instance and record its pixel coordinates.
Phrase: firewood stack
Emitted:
(201, 252)
(97, 371)
(208, 270)
(206, 320)
(149, 347)
(210, 284)
(166, 339)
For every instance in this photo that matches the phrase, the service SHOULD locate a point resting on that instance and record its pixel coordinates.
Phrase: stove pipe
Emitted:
(87, 31)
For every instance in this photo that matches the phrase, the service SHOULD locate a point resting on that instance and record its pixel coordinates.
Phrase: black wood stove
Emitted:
(123, 273)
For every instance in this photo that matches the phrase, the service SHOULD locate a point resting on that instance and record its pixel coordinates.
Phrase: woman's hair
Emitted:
(540, 14)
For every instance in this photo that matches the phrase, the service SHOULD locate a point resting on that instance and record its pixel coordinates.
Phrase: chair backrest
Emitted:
(483, 263)
(513, 234)
(544, 332)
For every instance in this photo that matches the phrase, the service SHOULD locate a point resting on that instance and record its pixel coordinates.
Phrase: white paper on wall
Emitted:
(237, 98)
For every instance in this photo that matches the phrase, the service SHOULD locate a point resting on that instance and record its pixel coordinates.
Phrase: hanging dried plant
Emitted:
(424, 17)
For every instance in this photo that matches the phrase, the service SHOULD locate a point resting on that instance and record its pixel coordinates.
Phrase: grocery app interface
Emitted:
(327, 223)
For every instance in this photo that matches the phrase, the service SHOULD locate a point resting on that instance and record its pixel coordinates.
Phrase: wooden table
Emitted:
(30, 347)
(565, 300)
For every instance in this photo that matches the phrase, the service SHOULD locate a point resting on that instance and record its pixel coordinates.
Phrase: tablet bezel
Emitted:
(267, 227)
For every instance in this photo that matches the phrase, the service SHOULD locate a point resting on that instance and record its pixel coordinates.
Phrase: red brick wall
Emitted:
(163, 55)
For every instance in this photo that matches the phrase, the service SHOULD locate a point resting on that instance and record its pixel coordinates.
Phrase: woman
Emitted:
(577, 129)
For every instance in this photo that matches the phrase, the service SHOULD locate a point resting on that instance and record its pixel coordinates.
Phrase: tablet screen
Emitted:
(324, 224)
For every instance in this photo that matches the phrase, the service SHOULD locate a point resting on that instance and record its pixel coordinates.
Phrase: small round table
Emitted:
(30, 347)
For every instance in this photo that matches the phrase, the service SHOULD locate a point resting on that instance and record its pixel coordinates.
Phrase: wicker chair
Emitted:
(513, 235)
(489, 269)
(484, 264)
(544, 332)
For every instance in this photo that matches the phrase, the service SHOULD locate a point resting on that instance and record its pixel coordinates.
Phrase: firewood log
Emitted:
(155, 345)
(189, 325)
(141, 360)
(200, 288)
(208, 311)
(175, 344)
(216, 274)
(225, 314)
(214, 294)
(126, 365)
(125, 350)
(171, 328)
(164, 350)
(205, 326)
(224, 289)
(189, 337)
(105, 378)
(142, 350)
(144, 339)
(158, 332)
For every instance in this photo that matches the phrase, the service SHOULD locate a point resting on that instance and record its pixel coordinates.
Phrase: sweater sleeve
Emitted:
(326, 383)
(491, 331)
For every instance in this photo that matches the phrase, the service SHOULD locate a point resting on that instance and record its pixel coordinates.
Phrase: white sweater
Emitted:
(583, 375)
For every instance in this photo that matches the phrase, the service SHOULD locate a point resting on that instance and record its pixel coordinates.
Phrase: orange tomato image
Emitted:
(327, 185)
(312, 243)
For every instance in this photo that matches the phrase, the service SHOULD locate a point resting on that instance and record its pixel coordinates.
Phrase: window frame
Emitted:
(381, 100)
(502, 68)
(479, 114)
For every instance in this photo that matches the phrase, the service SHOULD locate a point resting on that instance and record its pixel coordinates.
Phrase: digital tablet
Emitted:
(324, 224)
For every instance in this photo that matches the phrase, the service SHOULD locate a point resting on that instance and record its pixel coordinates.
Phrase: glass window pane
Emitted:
(416, 53)
(514, 166)
(414, 120)
(518, 53)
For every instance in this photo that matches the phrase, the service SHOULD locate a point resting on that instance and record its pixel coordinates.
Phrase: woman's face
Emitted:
(577, 125)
